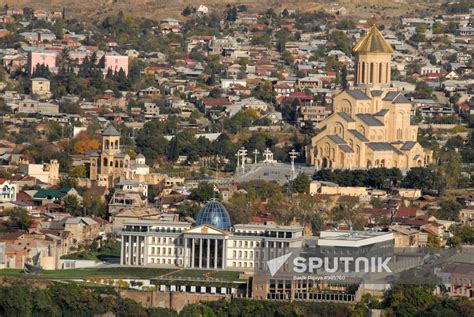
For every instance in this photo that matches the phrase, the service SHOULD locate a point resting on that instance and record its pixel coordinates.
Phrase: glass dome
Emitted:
(214, 214)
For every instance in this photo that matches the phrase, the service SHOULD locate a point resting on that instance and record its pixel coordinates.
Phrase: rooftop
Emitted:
(373, 42)
(110, 131)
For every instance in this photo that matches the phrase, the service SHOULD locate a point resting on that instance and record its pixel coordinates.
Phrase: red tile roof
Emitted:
(214, 102)
(404, 212)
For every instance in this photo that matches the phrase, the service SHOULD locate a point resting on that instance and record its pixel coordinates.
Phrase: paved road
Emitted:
(279, 172)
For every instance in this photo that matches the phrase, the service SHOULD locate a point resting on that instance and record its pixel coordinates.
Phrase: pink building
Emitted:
(78, 56)
(115, 61)
(43, 57)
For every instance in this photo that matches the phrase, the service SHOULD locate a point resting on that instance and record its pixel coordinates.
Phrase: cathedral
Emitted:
(370, 125)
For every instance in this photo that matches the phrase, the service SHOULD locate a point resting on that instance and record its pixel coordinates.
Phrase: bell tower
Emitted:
(110, 140)
(373, 59)
(110, 147)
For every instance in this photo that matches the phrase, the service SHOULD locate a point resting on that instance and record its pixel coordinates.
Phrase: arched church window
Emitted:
(107, 144)
(399, 134)
(339, 129)
(363, 72)
(380, 72)
(371, 72)
(326, 149)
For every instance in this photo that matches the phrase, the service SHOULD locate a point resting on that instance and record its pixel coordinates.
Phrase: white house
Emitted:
(7, 191)
(202, 10)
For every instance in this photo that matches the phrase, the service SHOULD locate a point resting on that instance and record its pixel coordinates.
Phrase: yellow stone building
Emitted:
(370, 126)
(110, 163)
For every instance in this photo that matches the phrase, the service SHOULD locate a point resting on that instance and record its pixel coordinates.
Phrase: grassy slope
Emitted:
(115, 272)
(126, 272)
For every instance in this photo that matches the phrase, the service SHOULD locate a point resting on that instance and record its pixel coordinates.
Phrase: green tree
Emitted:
(407, 300)
(173, 151)
(188, 210)
(449, 210)
(342, 41)
(73, 205)
(344, 84)
(437, 28)
(282, 36)
(150, 140)
(301, 183)
(67, 181)
(287, 57)
(78, 172)
(423, 90)
(420, 28)
(346, 24)
(265, 91)
(15, 301)
(93, 203)
(465, 234)
(241, 207)
(19, 218)
(419, 177)
(203, 193)
(186, 11)
(451, 27)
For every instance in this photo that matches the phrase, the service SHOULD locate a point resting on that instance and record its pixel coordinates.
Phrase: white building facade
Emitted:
(7, 191)
(179, 244)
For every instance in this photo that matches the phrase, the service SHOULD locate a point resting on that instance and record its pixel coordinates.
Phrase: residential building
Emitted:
(116, 62)
(41, 57)
(313, 113)
(83, 229)
(8, 191)
(47, 173)
(40, 86)
(408, 237)
(33, 106)
(466, 216)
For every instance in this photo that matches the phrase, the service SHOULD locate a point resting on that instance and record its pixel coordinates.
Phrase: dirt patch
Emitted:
(158, 9)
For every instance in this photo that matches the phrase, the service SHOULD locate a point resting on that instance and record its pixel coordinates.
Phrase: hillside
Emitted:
(157, 9)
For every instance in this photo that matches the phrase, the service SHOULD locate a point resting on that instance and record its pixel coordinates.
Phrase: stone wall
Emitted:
(173, 300)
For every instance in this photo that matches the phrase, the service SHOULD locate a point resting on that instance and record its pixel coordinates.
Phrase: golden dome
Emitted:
(373, 42)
